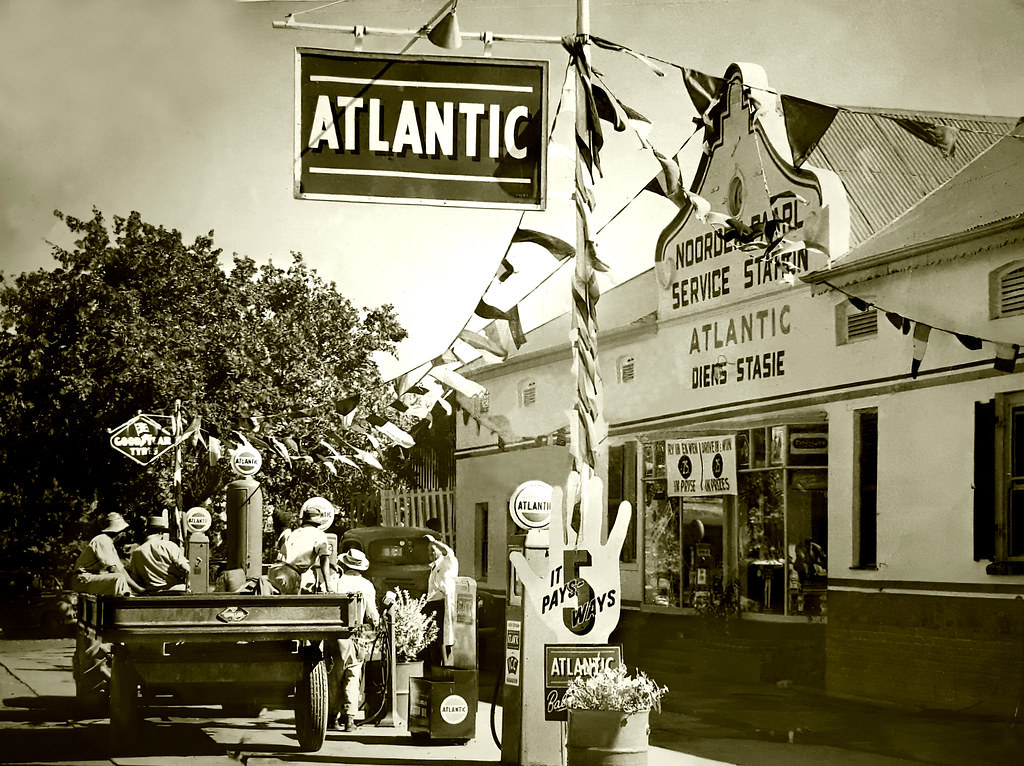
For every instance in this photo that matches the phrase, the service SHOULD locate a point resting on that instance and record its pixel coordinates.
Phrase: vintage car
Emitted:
(34, 605)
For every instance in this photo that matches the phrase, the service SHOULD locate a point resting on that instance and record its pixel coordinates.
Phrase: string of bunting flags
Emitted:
(806, 123)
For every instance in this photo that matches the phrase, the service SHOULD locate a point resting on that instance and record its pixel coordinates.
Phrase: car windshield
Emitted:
(399, 551)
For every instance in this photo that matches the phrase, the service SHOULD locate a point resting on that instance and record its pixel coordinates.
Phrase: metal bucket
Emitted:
(607, 738)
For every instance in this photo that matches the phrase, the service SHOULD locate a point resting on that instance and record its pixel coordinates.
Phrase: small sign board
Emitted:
(513, 651)
(562, 662)
(247, 461)
(143, 439)
(701, 467)
(428, 130)
(198, 519)
(530, 505)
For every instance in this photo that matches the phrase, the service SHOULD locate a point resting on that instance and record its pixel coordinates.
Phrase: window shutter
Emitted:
(984, 480)
(861, 324)
(1011, 293)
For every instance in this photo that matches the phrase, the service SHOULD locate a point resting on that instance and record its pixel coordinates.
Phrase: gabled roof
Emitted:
(886, 170)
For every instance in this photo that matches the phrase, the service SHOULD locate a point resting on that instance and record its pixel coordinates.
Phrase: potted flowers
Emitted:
(413, 631)
(609, 716)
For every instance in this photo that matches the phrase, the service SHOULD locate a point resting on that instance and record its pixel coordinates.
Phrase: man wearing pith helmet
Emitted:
(307, 548)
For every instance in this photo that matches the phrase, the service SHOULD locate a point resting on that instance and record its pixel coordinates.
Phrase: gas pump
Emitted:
(528, 738)
(197, 521)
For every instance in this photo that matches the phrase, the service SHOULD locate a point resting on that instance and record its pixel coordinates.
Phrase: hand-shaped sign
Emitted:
(578, 593)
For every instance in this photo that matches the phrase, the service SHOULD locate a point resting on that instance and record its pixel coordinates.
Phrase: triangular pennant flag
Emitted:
(447, 357)
(704, 89)
(515, 326)
(894, 319)
(445, 405)
(347, 404)
(943, 137)
(280, 448)
(921, 333)
(806, 123)
(969, 341)
(669, 181)
(487, 311)
(259, 443)
(417, 389)
(399, 405)
(483, 343)
(375, 420)
(505, 270)
(348, 461)
(214, 451)
(369, 458)
(600, 42)
(1006, 356)
(193, 431)
(557, 247)
(858, 303)
(397, 435)
(609, 108)
(453, 380)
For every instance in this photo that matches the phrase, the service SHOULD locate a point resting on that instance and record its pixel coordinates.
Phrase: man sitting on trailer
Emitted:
(305, 549)
(347, 655)
(159, 564)
(99, 568)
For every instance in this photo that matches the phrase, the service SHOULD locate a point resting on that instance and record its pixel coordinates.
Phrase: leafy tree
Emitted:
(133, 320)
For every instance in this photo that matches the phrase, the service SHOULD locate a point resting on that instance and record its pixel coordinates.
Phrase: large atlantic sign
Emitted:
(420, 129)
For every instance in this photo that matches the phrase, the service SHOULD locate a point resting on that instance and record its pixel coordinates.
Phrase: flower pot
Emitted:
(403, 672)
(607, 738)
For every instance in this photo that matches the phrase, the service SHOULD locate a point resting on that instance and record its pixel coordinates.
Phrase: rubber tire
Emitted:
(311, 705)
(125, 713)
(90, 667)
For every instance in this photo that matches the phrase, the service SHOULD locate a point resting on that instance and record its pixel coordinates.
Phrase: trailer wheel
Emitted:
(124, 700)
(311, 705)
(90, 667)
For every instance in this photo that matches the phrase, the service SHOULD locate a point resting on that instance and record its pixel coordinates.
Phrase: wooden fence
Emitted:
(415, 508)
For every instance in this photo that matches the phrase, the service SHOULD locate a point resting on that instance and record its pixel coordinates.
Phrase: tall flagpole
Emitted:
(586, 411)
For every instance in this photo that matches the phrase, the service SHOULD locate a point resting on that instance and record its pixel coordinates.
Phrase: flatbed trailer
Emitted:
(241, 651)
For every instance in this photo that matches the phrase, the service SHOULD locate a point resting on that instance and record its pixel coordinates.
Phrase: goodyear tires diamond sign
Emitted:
(420, 129)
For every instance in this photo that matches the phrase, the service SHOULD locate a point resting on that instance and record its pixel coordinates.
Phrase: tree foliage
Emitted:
(133, 319)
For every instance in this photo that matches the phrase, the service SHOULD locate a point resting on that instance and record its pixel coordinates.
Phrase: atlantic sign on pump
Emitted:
(530, 505)
(430, 130)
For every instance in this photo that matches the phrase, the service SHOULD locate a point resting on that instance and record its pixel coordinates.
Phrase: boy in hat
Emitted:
(347, 654)
(159, 564)
(99, 568)
(307, 548)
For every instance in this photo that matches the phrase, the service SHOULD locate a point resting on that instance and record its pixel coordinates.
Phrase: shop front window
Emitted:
(771, 537)
(782, 507)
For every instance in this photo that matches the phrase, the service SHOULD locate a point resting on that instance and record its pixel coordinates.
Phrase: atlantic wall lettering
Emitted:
(750, 326)
(710, 279)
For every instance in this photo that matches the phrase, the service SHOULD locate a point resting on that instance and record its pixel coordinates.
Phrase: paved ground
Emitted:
(709, 723)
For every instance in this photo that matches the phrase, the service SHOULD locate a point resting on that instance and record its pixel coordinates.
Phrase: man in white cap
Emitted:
(99, 568)
(307, 548)
(347, 655)
(159, 564)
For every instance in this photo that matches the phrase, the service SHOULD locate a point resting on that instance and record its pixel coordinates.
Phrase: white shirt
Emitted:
(303, 547)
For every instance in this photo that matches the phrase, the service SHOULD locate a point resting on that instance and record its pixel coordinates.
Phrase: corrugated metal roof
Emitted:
(886, 170)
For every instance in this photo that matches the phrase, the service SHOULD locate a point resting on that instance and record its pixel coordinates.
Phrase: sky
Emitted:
(184, 112)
